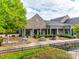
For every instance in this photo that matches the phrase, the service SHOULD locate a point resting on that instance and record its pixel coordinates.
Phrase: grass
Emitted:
(50, 54)
(36, 52)
(19, 55)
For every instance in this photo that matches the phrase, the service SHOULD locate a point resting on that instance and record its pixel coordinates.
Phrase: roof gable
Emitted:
(36, 22)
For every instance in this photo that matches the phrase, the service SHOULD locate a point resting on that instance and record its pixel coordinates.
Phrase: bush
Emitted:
(51, 35)
(13, 35)
(66, 36)
(42, 35)
(52, 53)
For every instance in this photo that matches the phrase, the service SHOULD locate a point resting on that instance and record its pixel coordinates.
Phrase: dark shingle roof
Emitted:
(61, 19)
(51, 23)
(36, 22)
(73, 21)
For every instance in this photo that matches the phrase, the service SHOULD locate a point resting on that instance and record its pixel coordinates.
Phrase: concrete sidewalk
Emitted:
(74, 53)
(35, 45)
(40, 43)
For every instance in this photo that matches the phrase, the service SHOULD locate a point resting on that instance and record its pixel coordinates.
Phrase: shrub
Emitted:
(51, 35)
(44, 35)
(66, 36)
(13, 35)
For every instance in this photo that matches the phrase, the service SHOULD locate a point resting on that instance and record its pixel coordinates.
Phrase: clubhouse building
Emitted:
(62, 25)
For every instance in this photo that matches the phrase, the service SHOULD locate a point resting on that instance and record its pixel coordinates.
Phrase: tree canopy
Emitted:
(12, 16)
(76, 29)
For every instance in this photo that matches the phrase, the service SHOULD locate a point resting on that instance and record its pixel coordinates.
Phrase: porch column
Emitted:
(57, 31)
(32, 32)
(40, 31)
(37, 32)
(63, 31)
(47, 31)
(23, 32)
(70, 31)
(50, 30)
(20, 32)
(44, 31)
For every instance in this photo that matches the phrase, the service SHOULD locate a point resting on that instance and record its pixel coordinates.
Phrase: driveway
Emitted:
(74, 53)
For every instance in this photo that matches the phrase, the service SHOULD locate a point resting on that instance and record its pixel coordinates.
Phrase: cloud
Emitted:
(49, 9)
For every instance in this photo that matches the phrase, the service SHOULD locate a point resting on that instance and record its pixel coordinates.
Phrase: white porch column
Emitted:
(63, 31)
(50, 31)
(57, 31)
(32, 32)
(37, 32)
(44, 31)
(20, 31)
(23, 32)
(47, 31)
(40, 31)
(70, 31)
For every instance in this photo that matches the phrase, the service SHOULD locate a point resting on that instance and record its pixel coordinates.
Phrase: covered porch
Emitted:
(56, 31)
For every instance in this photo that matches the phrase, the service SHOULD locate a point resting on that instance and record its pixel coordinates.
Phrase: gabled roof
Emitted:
(36, 16)
(62, 19)
(54, 23)
(36, 22)
(73, 21)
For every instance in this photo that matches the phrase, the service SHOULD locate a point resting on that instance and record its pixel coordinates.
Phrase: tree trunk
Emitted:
(0, 44)
(23, 32)
(77, 36)
(7, 38)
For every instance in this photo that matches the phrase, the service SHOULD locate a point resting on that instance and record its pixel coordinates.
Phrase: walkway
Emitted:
(74, 53)
(21, 47)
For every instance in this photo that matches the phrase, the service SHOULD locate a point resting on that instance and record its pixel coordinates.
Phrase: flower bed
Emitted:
(66, 45)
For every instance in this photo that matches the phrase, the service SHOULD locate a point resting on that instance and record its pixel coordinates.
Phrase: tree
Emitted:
(12, 15)
(76, 29)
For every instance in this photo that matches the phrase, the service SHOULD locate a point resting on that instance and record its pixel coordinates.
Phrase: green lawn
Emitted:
(25, 54)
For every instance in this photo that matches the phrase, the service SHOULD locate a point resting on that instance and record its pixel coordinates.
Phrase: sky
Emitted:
(50, 9)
